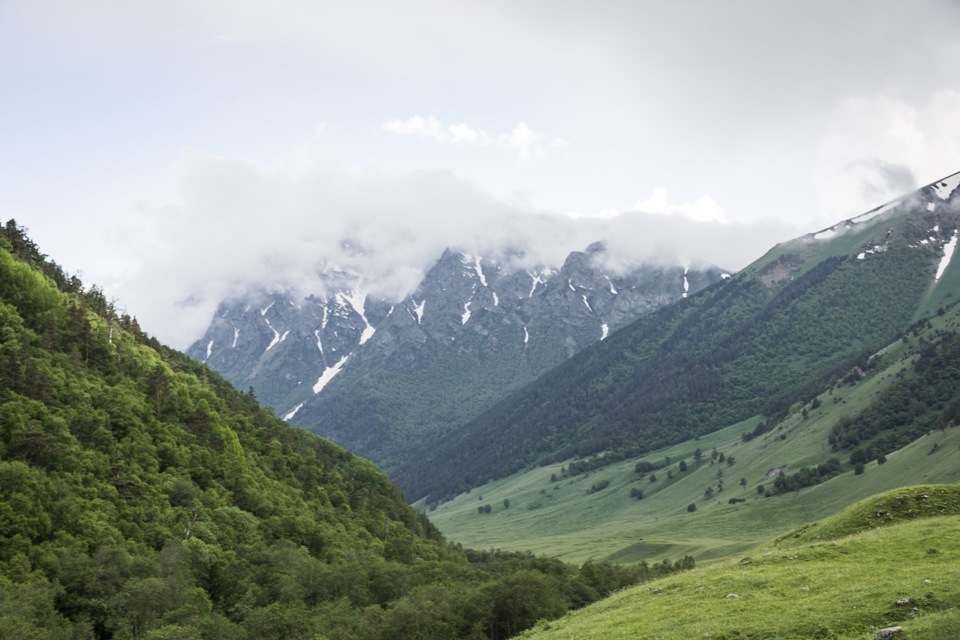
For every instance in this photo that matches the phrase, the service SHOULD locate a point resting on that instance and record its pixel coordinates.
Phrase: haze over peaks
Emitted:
(239, 227)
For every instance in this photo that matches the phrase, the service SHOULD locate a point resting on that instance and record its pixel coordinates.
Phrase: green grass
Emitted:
(842, 589)
(564, 519)
(892, 507)
(577, 525)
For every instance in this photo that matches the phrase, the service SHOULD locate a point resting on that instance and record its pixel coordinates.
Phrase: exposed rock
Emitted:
(889, 632)
(344, 363)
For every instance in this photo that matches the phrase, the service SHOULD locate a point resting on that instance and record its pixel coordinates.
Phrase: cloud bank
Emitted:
(877, 149)
(237, 226)
(528, 143)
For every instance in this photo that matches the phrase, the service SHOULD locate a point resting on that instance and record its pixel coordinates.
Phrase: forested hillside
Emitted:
(142, 497)
(889, 421)
(753, 344)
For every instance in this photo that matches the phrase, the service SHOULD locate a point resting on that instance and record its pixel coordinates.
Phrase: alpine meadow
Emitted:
(453, 320)
(144, 497)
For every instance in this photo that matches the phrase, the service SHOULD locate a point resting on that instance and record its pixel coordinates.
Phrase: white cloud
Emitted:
(522, 139)
(876, 149)
(320, 129)
(465, 133)
(417, 126)
(236, 226)
(703, 209)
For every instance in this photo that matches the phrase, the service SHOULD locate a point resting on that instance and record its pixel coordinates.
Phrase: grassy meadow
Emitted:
(843, 589)
(564, 517)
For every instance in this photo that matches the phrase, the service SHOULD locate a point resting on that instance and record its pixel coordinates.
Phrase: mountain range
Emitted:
(748, 347)
(385, 380)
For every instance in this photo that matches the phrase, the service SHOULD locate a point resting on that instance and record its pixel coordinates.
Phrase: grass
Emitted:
(843, 589)
(564, 519)
(919, 501)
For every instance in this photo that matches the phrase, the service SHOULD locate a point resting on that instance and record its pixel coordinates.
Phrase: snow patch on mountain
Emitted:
(293, 412)
(276, 334)
(209, 350)
(466, 313)
(870, 215)
(947, 256)
(479, 270)
(613, 289)
(946, 187)
(263, 311)
(236, 336)
(877, 248)
(328, 374)
(357, 299)
(418, 311)
(686, 283)
(316, 332)
(536, 280)
(604, 331)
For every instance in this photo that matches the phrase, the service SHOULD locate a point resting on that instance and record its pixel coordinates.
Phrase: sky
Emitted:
(180, 152)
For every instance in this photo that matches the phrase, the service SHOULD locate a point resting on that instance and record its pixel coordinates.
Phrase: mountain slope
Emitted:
(851, 587)
(755, 343)
(906, 393)
(143, 491)
(385, 380)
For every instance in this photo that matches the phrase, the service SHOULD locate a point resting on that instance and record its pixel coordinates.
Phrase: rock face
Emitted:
(384, 379)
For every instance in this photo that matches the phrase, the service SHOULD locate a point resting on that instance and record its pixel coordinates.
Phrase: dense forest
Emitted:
(927, 399)
(141, 496)
(743, 347)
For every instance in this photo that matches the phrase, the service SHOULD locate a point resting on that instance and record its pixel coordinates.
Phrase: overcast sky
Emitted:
(174, 151)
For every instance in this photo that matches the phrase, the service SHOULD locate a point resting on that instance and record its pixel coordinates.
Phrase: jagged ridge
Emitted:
(385, 379)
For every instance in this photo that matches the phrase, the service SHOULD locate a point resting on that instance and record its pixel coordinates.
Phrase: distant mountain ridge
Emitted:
(754, 344)
(384, 379)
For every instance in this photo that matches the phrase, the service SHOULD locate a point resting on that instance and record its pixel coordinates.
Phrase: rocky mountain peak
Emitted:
(486, 325)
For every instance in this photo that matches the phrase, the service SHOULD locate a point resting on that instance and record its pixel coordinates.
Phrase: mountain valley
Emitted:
(748, 426)
(749, 347)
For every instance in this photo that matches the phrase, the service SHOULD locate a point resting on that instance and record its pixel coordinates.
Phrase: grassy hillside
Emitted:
(749, 346)
(554, 511)
(905, 574)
